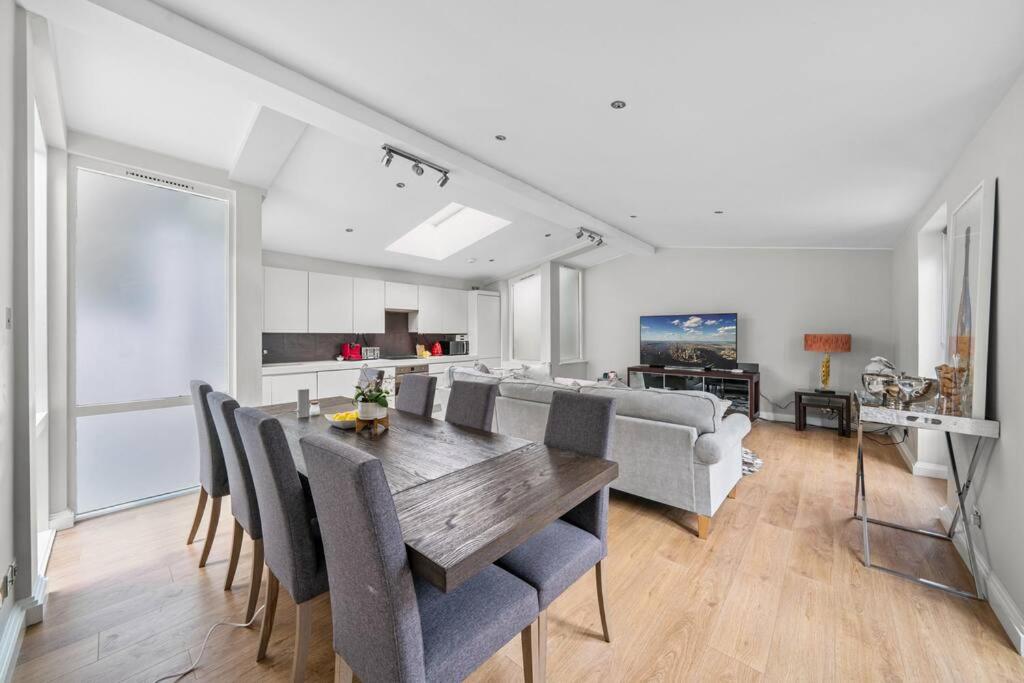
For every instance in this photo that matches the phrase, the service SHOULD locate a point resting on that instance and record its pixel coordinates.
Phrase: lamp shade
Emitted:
(827, 343)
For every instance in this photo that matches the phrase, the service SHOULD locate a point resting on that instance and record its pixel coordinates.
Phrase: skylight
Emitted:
(448, 231)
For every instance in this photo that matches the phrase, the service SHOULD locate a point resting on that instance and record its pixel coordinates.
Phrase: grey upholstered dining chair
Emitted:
(471, 404)
(388, 624)
(213, 476)
(244, 507)
(417, 394)
(291, 540)
(368, 374)
(562, 552)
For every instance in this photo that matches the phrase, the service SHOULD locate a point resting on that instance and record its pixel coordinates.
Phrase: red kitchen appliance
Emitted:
(436, 349)
(352, 351)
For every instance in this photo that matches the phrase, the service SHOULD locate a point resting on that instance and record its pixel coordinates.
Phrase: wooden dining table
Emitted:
(464, 497)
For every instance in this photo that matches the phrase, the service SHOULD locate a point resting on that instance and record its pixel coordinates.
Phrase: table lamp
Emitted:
(827, 344)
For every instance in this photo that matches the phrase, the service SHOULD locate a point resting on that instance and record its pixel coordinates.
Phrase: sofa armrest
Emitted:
(713, 446)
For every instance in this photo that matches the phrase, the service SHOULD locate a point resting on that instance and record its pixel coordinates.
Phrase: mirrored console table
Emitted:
(924, 416)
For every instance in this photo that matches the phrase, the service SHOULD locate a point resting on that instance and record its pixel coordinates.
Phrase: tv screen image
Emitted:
(694, 339)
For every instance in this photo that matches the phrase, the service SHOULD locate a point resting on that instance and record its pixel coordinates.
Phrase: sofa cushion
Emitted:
(697, 409)
(529, 390)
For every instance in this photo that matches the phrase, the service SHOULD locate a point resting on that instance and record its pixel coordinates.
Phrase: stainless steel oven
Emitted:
(404, 370)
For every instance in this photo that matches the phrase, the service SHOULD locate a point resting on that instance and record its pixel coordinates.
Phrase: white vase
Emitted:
(371, 411)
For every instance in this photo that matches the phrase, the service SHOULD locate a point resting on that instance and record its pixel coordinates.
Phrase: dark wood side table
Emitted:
(809, 398)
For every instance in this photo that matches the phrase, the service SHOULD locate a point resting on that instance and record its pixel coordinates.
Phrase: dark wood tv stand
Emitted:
(742, 388)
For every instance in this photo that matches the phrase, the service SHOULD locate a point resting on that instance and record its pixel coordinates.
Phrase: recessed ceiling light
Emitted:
(632, 215)
(448, 231)
(490, 260)
(471, 260)
(500, 138)
(350, 229)
(618, 104)
(719, 212)
(547, 234)
(399, 185)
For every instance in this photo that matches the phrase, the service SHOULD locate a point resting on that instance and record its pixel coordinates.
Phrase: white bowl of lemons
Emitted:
(346, 420)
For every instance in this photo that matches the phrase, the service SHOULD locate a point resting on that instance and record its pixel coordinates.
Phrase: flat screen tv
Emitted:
(689, 340)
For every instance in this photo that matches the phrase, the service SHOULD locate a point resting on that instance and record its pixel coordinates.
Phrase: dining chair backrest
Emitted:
(288, 545)
(471, 404)
(373, 603)
(368, 375)
(583, 424)
(416, 394)
(243, 498)
(213, 475)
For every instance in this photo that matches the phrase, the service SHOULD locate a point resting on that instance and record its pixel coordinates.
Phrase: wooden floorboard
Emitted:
(776, 592)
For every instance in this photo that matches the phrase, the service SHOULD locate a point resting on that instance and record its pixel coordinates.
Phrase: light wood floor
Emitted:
(776, 592)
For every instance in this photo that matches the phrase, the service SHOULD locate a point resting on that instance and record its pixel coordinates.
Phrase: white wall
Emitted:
(779, 294)
(6, 295)
(996, 151)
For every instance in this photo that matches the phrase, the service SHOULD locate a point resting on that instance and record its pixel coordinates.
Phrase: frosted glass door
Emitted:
(151, 314)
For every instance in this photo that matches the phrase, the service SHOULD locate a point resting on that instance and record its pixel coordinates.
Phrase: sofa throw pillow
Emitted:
(538, 372)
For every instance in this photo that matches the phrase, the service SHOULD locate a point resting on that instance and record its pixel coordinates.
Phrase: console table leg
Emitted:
(961, 495)
(863, 494)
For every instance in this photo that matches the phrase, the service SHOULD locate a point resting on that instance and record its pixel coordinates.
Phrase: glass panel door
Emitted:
(150, 314)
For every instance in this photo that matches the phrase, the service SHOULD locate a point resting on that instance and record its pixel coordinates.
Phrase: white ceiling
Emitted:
(147, 101)
(808, 123)
(329, 184)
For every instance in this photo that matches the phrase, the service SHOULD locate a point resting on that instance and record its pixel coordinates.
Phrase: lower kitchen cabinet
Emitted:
(285, 388)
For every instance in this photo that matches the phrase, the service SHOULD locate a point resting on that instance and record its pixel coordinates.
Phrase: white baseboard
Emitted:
(45, 548)
(918, 467)
(10, 641)
(65, 519)
(1007, 611)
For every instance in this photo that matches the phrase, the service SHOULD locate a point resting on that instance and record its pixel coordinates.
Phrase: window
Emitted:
(151, 313)
(569, 317)
(527, 323)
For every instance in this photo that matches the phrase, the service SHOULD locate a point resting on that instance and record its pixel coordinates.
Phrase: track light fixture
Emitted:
(417, 163)
(595, 238)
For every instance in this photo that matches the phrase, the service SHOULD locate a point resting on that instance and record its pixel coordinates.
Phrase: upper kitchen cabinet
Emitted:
(485, 324)
(368, 306)
(429, 316)
(330, 303)
(285, 300)
(399, 296)
(455, 318)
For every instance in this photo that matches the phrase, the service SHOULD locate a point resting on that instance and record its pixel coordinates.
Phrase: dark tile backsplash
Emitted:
(288, 347)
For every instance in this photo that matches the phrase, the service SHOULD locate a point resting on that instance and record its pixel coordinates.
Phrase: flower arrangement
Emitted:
(371, 399)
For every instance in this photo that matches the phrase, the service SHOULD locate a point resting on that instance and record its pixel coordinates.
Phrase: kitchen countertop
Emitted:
(327, 365)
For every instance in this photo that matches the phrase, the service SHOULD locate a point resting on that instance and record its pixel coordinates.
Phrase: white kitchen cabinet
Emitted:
(400, 296)
(455, 316)
(330, 303)
(285, 300)
(429, 317)
(336, 383)
(485, 324)
(285, 388)
(367, 306)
